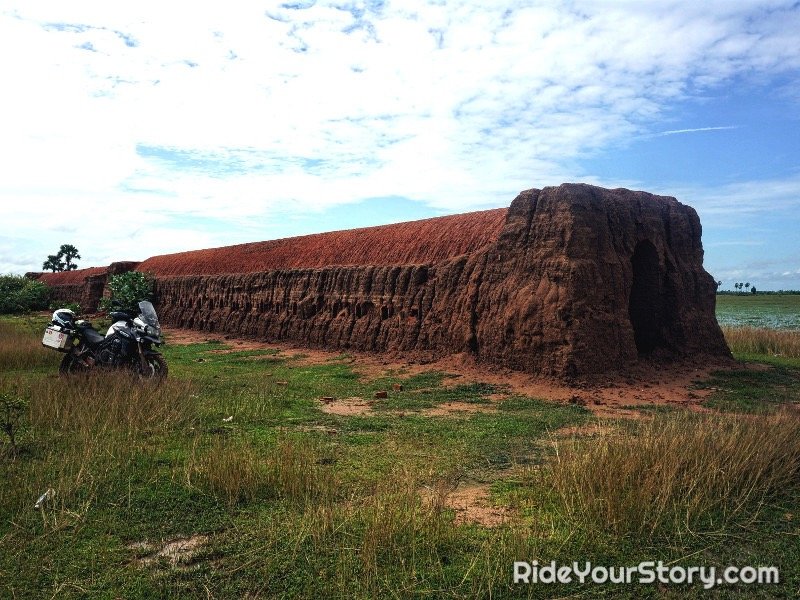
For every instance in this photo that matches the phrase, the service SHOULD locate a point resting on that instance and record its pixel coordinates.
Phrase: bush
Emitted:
(73, 306)
(19, 294)
(129, 289)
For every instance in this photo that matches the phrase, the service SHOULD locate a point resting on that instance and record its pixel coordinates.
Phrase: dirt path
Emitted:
(612, 396)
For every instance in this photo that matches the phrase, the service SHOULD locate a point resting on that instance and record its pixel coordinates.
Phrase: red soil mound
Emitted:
(414, 242)
(71, 277)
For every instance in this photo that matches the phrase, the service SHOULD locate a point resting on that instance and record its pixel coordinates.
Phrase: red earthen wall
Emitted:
(544, 286)
(84, 286)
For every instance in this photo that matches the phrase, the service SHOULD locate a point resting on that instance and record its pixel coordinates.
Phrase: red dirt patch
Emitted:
(471, 505)
(613, 395)
(347, 407)
(189, 336)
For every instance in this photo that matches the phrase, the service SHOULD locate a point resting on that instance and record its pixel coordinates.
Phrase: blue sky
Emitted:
(135, 130)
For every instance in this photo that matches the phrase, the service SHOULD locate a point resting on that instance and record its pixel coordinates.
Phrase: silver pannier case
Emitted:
(57, 339)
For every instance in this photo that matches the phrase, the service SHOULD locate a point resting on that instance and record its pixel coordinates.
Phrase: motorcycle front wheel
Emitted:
(155, 367)
(70, 365)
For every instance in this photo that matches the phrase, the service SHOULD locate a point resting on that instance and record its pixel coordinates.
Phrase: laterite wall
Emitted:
(569, 280)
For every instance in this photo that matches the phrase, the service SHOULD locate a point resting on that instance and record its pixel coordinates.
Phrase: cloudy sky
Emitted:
(134, 129)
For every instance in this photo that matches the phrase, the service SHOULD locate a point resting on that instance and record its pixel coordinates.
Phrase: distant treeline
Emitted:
(758, 293)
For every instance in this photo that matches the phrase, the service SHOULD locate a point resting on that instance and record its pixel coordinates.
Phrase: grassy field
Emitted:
(230, 481)
(771, 311)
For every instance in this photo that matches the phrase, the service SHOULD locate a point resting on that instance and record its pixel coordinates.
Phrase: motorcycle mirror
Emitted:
(116, 304)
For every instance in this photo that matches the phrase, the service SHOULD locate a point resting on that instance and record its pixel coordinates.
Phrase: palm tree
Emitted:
(68, 252)
(53, 263)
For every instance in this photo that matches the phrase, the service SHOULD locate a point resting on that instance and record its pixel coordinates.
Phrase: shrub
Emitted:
(20, 294)
(73, 306)
(129, 289)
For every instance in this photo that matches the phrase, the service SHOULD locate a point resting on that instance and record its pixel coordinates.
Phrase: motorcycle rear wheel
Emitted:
(156, 368)
(70, 365)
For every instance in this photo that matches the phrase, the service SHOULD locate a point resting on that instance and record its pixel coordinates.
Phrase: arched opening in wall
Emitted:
(646, 303)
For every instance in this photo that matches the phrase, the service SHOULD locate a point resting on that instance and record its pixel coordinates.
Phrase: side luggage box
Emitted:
(56, 339)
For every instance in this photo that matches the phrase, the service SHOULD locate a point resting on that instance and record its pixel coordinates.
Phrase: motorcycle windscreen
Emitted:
(148, 314)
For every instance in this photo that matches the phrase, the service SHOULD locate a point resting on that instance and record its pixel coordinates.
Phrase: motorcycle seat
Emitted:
(91, 335)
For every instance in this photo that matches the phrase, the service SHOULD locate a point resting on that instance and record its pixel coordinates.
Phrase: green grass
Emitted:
(753, 391)
(772, 311)
(294, 502)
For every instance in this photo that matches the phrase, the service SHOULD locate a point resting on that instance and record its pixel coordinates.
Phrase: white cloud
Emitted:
(458, 105)
(731, 203)
(694, 130)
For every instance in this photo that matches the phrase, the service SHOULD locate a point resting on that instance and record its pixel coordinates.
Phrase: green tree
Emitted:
(129, 289)
(69, 253)
(20, 294)
(53, 263)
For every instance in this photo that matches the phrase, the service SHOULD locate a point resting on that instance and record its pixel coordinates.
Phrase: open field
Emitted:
(236, 478)
(773, 311)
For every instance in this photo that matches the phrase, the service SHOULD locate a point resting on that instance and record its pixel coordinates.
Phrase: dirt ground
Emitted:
(612, 396)
(470, 503)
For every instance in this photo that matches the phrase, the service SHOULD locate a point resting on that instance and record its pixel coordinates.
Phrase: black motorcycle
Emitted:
(128, 343)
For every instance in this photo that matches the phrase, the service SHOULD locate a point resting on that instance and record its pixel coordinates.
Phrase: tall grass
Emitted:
(238, 471)
(21, 347)
(81, 434)
(370, 542)
(103, 402)
(677, 472)
(772, 342)
(385, 542)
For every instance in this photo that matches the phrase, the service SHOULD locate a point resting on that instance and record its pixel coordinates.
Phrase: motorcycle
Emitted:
(128, 343)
